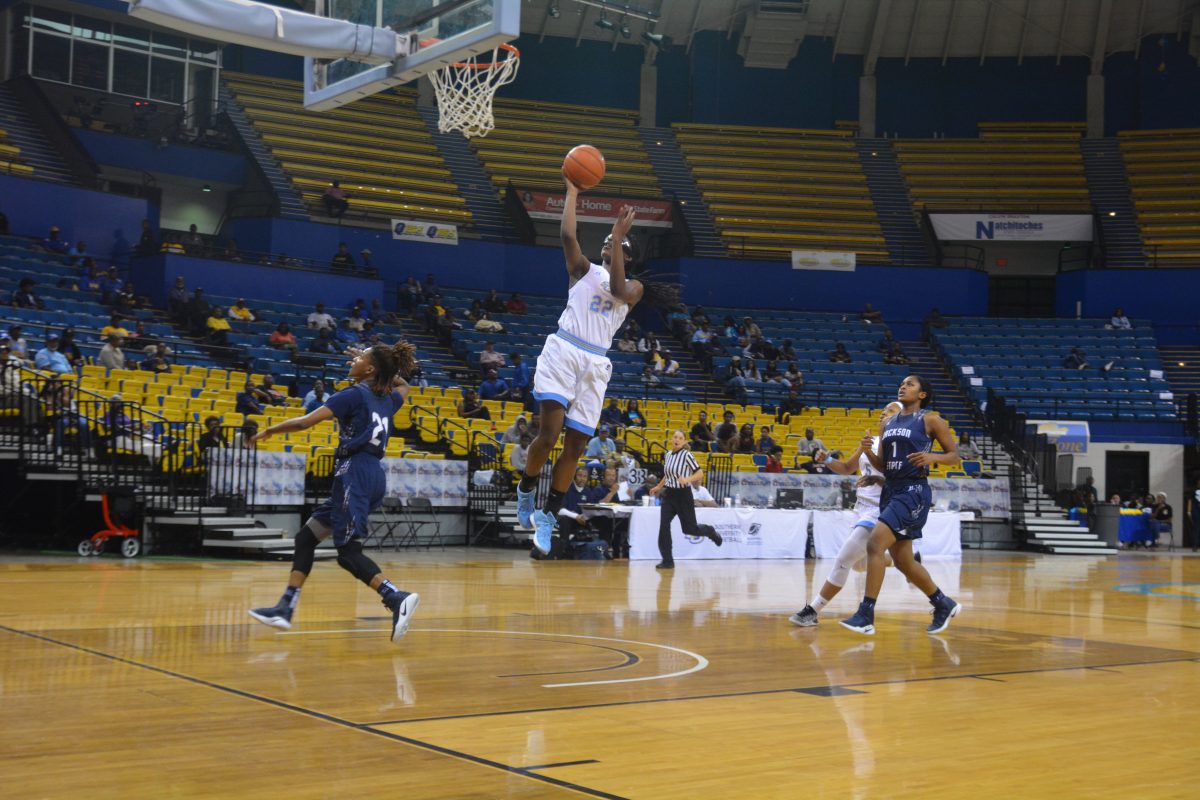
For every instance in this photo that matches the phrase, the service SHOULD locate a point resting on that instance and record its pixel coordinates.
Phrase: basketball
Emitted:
(584, 166)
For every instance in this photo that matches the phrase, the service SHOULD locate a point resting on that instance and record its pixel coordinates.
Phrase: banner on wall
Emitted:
(262, 478)
(443, 483)
(411, 230)
(1067, 437)
(987, 497)
(548, 205)
(831, 260)
(1012, 227)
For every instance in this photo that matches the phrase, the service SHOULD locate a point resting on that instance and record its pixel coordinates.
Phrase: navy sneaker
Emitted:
(543, 531)
(280, 616)
(804, 618)
(860, 623)
(942, 614)
(403, 605)
(525, 508)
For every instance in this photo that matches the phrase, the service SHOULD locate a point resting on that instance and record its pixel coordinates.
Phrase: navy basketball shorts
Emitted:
(905, 508)
(359, 484)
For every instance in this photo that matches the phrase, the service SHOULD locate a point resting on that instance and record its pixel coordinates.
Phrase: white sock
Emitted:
(818, 602)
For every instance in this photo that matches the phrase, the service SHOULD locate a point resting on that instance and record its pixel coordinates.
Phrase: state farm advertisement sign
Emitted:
(545, 205)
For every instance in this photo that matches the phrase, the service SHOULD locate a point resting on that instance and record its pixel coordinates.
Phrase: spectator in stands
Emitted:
(240, 312)
(245, 437)
(147, 243)
(1087, 490)
(3, 224)
(488, 325)
(470, 407)
(24, 297)
(774, 460)
(750, 328)
(247, 400)
(178, 299)
(519, 455)
(627, 343)
(429, 287)
(138, 332)
(342, 260)
(125, 301)
(1120, 321)
(789, 406)
(12, 392)
(750, 372)
(788, 351)
(193, 242)
(870, 315)
(367, 266)
(335, 199)
(571, 521)
(766, 443)
(665, 364)
(702, 343)
(345, 335)
(319, 319)
(17, 344)
(648, 344)
(513, 433)
(378, 315)
(213, 436)
(810, 444)
(269, 392)
(493, 303)
(967, 449)
(840, 355)
(1161, 516)
(493, 388)
(649, 378)
(231, 251)
(701, 434)
(110, 285)
(521, 381)
(52, 243)
(475, 312)
(323, 343)
(818, 464)
(218, 327)
(633, 418)
(612, 414)
(356, 320)
(50, 359)
(79, 254)
(727, 433)
(934, 321)
(516, 305)
(1076, 360)
(112, 356)
(155, 363)
(410, 294)
(316, 397)
(794, 376)
(67, 346)
(90, 276)
(884, 345)
(735, 379)
(198, 313)
(601, 445)
(282, 338)
(771, 375)
(745, 440)
(895, 354)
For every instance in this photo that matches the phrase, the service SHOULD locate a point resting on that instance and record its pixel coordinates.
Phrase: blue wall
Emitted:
(109, 223)
(200, 163)
(592, 73)
(155, 276)
(1159, 90)
(1166, 296)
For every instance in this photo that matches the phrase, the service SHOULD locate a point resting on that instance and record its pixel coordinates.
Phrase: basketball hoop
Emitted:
(465, 90)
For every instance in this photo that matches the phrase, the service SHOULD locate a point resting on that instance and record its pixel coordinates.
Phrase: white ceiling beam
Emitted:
(1024, 15)
(545, 23)
(877, 31)
(987, 29)
(1100, 43)
(912, 31)
(1062, 29)
(949, 32)
(692, 25)
(582, 21)
(837, 33)
(1141, 26)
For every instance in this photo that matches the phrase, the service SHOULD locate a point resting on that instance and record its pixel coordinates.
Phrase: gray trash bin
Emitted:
(1108, 523)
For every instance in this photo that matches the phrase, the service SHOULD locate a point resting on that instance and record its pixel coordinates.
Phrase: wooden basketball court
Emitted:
(1065, 676)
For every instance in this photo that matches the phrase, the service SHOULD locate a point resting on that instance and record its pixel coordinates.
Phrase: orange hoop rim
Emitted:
(514, 53)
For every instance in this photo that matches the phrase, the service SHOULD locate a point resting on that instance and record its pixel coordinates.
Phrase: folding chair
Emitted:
(421, 505)
(383, 524)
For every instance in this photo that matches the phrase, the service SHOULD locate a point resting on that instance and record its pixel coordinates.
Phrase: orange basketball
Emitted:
(584, 166)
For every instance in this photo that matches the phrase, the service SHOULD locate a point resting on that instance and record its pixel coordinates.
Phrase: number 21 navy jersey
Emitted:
(364, 419)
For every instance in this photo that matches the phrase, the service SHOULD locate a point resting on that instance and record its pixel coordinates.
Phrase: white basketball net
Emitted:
(465, 90)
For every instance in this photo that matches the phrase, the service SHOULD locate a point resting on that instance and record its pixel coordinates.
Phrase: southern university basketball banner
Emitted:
(988, 498)
(411, 230)
(1012, 227)
(546, 205)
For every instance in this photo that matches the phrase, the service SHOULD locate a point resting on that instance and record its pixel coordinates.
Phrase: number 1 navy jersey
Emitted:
(364, 420)
(903, 435)
(592, 315)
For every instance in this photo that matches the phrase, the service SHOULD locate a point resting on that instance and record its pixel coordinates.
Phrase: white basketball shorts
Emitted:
(574, 377)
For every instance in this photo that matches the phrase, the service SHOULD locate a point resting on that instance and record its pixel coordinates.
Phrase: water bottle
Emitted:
(737, 501)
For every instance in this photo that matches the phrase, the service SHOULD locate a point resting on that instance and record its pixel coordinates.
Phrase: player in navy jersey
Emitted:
(364, 413)
(906, 444)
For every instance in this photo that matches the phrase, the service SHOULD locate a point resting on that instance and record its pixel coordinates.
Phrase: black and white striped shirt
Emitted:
(679, 464)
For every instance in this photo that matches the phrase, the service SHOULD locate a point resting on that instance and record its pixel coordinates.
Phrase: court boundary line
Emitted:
(318, 715)
(988, 676)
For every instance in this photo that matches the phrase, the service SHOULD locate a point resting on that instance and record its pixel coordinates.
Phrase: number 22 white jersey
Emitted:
(592, 314)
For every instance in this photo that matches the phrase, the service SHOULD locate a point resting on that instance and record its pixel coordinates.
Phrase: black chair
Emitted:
(383, 525)
(423, 506)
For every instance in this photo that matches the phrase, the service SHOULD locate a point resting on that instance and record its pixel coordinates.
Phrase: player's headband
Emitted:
(625, 245)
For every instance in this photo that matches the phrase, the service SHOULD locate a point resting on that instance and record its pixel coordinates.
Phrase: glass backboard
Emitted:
(438, 33)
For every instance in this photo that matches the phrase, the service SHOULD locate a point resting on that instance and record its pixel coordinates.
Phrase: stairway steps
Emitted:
(291, 204)
(678, 182)
(1108, 188)
(28, 137)
(889, 193)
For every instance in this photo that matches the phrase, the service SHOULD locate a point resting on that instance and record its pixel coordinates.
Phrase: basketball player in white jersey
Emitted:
(573, 368)
(854, 549)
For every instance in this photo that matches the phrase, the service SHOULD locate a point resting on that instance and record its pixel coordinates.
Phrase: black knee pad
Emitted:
(305, 548)
(351, 559)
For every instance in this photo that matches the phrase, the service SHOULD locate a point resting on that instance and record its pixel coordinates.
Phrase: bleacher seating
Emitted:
(11, 162)
(1022, 361)
(1020, 167)
(531, 138)
(774, 190)
(378, 148)
(1163, 168)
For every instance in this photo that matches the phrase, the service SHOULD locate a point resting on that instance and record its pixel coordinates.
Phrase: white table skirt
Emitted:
(748, 533)
(942, 535)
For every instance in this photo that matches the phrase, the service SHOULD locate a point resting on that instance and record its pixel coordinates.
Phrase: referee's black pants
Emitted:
(675, 503)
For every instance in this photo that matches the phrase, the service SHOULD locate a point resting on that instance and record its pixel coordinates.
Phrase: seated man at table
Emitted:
(702, 497)
(571, 521)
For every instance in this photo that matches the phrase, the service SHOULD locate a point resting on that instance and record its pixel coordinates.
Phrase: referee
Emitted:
(680, 471)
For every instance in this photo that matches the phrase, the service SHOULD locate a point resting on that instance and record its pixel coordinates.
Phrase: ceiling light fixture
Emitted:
(620, 8)
(553, 10)
(604, 23)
